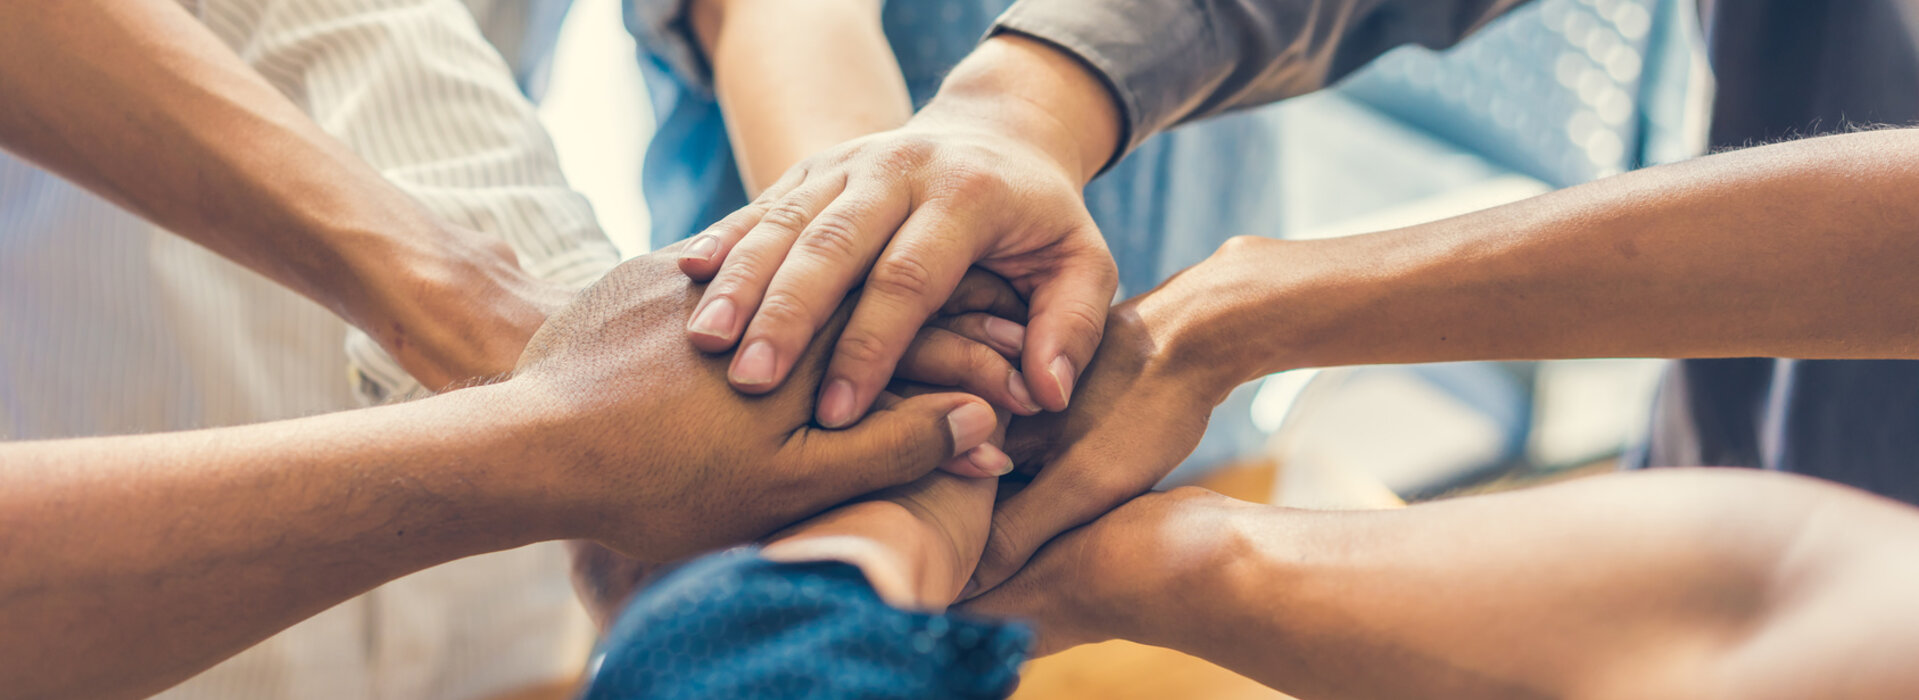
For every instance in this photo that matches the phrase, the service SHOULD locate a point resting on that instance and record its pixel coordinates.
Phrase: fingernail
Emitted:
(755, 364)
(990, 461)
(970, 426)
(1062, 371)
(836, 405)
(702, 248)
(1016, 385)
(716, 320)
(1010, 336)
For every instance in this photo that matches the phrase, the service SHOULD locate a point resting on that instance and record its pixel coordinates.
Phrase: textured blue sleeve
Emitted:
(735, 625)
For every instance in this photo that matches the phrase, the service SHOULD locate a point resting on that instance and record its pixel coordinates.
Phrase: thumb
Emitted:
(1059, 499)
(1068, 316)
(898, 443)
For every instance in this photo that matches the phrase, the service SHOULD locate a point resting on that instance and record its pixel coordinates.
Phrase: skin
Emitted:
(613, 430)
(795, 79)
(229, 162)
(1671, 583)
(1761, 252)
(984, 175)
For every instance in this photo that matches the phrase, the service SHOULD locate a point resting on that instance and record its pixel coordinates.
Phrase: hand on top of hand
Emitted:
(659, 459)
(976, 178)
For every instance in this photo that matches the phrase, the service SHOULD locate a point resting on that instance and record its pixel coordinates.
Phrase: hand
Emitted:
(1122, 576)
(1141, 409)
(989, 174)
(461, 313)
(916, 543)
(660, 459)
(965, 346)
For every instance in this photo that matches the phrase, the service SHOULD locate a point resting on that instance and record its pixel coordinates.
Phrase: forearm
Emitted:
(134, 562)
(140, 103)
(1645, 585)
(1801, 249)
(797, 77)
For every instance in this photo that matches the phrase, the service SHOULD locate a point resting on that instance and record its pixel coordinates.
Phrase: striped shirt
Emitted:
(111, 326)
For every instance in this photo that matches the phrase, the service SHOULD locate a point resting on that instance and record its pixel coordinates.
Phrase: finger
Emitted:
(893, 446)
(826, 259)
(944, 358)
(736, 289)
(982, 290)
(1007, 338)
(911, 279)
(1062, 497)
(700, 258)
(1068, 316)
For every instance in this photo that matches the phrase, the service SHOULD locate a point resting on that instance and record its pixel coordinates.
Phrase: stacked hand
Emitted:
(660, 459)
(737, 467)
(977, 178)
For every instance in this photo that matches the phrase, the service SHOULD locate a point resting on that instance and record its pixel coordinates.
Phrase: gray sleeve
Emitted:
(1173, 61)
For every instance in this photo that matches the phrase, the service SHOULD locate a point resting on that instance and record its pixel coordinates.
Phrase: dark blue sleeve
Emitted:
(735, 625)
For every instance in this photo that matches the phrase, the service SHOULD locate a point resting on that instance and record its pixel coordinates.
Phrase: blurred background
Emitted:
(1554, 94)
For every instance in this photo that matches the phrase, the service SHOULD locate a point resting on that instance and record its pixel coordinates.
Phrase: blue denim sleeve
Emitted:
(735, 625)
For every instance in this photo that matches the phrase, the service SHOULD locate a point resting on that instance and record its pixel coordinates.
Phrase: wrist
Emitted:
(525, 453)
(1031, 91)
(1258, 306)
(1161, 571)
(890, 543)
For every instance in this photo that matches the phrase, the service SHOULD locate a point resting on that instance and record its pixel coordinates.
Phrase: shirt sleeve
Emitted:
(736, 625)
(1172, 61)
(413, 88)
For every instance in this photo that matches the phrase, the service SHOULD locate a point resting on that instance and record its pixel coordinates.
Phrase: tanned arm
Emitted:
(797, 77)
(140, 103)
(1800, 249)
(1675, 583)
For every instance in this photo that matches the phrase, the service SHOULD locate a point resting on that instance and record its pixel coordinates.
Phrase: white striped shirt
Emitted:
(109, 325)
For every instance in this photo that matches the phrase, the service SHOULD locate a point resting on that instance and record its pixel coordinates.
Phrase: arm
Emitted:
(1800, 249)
(989, 173)
(1699, 583)
(795, 78)
(134, 562)
(225, 159)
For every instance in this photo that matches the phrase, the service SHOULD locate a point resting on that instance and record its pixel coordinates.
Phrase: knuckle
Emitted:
(784, 311)
(788, 215)
(862, 350)
(901, 276)
(832, 236)
(969, 182)
(907, 152)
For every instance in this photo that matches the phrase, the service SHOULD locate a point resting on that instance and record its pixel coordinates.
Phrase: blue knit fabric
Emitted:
(735, 625)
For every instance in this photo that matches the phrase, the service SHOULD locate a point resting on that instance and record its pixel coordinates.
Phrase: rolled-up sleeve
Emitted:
(414, 90)
(1172, 61)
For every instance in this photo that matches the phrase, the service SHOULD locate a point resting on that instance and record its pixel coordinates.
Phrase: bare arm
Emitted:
(1801, 249)
(142, 104)
(1699, 583)
(133, 562)
(795, 78)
